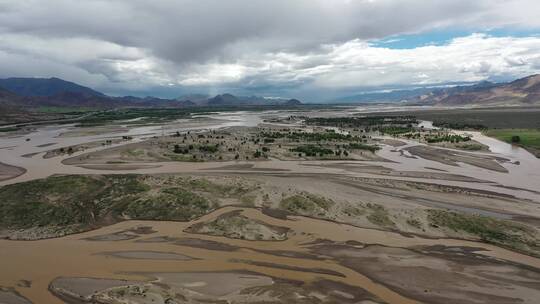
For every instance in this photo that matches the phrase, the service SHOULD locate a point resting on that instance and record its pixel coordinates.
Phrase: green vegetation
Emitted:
(470, 147)
(453, 138)
(379, 216)
(458, 125)
(361, 121)
(312, 150)
(77, 203)
(527, 138)
(414, 222)
(217, 190)
(9, 129)
(499, 232)
(359, 146)
(307, 204)
(170, 204)
(395, 130)
(64, 200)
(354, 211)
(480, 119)
(208, 148)
(309, 136)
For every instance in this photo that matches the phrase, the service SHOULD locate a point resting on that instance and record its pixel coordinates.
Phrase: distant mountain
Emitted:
(224, 100)
(33, 87)
(195, 99)
(233, 100)
(293, 102)
(521, 92)
(55, 92)
(525, 91)
(11, 110)
(8, 97)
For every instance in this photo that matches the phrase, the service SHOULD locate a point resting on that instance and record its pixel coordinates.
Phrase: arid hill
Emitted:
(524, 91)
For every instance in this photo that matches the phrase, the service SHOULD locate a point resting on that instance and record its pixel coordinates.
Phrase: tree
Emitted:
(516, 139)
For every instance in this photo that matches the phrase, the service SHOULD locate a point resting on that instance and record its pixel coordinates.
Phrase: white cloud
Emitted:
(359, 64)
(305, 44)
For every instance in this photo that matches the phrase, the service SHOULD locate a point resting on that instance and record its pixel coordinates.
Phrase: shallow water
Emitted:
(525, 175)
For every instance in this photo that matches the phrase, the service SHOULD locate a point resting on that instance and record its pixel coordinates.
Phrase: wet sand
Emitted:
(8, 172)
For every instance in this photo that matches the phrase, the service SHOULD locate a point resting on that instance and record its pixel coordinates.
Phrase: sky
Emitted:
(315, 50)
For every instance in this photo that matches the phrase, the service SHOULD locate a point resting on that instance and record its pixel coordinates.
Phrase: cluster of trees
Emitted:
(396, 130)
(312, 150)
(447, 138)
(203, 148)
(307, 136)
(360, 146)
(458, 125)
(359, 121)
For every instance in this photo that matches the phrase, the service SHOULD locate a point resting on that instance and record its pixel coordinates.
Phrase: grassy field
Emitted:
(487, 118)
(68, 204)
(528, 138)
(499, 232)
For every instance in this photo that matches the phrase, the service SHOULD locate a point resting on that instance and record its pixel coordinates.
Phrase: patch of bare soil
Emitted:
(147, 255)
(381, 170)
(393, 142)
(452, 158)
(209, 287)
(461, 275)
(83, 290)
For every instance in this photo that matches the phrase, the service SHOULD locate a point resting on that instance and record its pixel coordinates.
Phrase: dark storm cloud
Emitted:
(187, 30)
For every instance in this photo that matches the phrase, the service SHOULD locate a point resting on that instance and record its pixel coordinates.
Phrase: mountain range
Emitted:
(521, 92)
(44, 87)
(524, 91)
(55, 92)
(24, 93)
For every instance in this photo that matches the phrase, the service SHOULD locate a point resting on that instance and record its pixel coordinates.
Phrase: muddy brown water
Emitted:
(42, 261)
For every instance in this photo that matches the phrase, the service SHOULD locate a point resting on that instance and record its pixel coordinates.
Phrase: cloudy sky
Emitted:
(310, 49)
